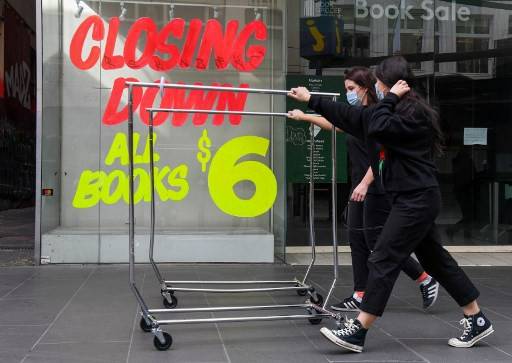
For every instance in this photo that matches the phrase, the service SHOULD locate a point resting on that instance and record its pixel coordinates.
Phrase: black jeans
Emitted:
(410, 228)
(365, 221)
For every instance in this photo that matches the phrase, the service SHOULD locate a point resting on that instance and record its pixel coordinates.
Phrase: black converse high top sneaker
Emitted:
(476, 327)
(351, 337)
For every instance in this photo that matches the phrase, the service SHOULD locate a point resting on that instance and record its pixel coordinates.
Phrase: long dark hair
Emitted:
(396, 68)
(364, 78)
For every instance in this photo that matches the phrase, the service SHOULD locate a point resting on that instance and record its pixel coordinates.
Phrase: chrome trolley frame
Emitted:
(315, 304)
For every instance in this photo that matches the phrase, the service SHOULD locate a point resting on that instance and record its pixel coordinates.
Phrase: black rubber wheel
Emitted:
(144, 326)
(164, 346)
(172, 304)
(302, 292)
(319, 299)
(314, 321)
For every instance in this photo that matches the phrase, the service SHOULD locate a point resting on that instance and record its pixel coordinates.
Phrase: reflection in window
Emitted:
(347, 14)
(414, 21)
(477, 24)
(409, 44)
(362, 48)
(472, 65)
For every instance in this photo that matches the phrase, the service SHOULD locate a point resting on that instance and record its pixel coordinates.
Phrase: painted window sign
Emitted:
(229, 47)
(177, 98)
(242, 48)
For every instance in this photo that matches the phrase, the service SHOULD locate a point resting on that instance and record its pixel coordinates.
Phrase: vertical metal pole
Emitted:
(152, 218)
(131, 209)
(271, 156)
(312, 238)
(334, 214)
(39, 132)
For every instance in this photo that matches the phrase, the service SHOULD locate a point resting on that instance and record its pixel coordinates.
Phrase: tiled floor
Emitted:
(88, 314)
(17, 228)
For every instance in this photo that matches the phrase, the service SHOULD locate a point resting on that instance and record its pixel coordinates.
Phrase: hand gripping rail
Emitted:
(315, 305)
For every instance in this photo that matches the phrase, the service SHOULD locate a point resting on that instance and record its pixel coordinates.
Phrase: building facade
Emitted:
(223, 191)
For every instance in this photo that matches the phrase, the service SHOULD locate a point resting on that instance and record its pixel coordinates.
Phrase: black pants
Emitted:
(376, 212)
(358, 248)
(410, 228)
(365, 221)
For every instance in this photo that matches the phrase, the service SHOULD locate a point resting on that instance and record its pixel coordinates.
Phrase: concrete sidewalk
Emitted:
(88, 314)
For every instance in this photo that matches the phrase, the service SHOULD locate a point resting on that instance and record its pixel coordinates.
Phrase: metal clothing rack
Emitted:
(315, 305)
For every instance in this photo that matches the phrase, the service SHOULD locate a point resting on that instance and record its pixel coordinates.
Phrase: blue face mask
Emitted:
(380, 94)
(353, 98)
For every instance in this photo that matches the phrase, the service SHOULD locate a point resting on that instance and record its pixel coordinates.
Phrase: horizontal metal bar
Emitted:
(263, 289)
(151, 3)
(195, 282)
(234, 320)
(214, 112)
(229, 308)
(218, 88)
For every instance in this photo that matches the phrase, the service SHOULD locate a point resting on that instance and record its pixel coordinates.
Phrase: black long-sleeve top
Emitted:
(406, 140)
(358, 152)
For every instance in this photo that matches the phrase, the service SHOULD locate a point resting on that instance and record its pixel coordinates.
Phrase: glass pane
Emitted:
(473, 94)
(106, 43)
(70, 141)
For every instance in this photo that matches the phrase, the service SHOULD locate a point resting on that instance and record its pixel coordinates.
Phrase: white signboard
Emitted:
(475, 136)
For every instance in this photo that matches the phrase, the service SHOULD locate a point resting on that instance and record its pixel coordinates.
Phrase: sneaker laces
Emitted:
(468, 326)
(350, 328)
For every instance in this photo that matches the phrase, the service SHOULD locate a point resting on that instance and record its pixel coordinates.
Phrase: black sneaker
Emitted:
(429, 292)
(351, 337)
(349, 304)
(476, 327)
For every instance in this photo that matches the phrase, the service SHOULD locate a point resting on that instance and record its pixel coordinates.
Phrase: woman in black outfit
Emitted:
(368, 208)
(409, 132)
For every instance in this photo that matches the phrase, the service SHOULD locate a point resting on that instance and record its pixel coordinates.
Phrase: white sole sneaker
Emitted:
(454, 342)
(326, 332)
(352, 310)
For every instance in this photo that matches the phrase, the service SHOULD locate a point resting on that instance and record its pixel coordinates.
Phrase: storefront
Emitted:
(461, 54)
(224, 190)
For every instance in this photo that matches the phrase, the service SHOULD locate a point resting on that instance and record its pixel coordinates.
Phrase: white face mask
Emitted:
(353, 98)
(380, 94)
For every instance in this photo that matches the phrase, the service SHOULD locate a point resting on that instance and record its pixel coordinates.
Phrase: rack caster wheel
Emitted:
(166, 345)
(302, 292)
(172, 304)
(313, 321)
(144, 325)
(319, 299)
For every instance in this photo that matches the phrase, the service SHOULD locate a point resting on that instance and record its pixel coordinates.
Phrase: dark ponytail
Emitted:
(393, 69)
